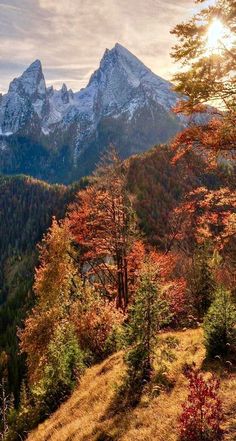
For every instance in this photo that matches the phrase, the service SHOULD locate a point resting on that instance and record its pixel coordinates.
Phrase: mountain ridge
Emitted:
(124, 104)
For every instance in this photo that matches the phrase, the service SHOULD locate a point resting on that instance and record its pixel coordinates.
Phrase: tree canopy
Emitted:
(208, 76)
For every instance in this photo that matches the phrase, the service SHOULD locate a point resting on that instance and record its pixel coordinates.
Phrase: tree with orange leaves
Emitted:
(103, 224)
(207, 50)
(207, 216)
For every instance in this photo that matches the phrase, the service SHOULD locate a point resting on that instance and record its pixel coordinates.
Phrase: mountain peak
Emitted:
(120, 66)
(64, 88)
(36, 65)
(122, 50)
(31, 81)
(64, 94)
(124, 103)
(119, 46)
(117, 50)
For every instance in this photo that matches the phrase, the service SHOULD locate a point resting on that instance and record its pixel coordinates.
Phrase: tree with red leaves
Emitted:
(202, 411)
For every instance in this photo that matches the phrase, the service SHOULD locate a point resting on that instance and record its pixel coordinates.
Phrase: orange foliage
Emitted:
(95, 319)
(135, 260)
(176, 295)
(212, 139)
(35, 338)
(173, 285)
(208, 215)
(102, 223)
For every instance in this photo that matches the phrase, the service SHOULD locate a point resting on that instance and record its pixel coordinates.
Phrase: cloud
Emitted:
(70, 36)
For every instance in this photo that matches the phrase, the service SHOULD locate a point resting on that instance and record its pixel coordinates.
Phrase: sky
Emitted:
(70, 36)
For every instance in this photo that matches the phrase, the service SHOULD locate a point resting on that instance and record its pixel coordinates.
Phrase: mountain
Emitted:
(58, 135)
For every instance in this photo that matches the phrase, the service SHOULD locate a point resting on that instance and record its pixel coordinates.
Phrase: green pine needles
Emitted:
(220, 325)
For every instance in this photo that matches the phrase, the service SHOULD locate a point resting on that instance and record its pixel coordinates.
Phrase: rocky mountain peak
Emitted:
(65, 94)
(121, 58)
(125, 103)
(31, 82)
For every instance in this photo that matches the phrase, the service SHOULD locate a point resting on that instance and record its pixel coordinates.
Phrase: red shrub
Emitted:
(202, 411)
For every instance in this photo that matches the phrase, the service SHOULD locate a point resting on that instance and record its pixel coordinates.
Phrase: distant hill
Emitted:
(158, 185)
(26, 209)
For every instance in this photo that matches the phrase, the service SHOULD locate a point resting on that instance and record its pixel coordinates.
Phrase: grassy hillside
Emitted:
(93, 414)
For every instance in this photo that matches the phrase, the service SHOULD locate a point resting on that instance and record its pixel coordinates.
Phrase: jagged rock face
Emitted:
(124, 104)
(25, 99)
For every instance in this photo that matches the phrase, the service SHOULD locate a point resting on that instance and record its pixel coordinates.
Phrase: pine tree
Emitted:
(4, 409)
(220, 325)
(201, 282)
(148, 314)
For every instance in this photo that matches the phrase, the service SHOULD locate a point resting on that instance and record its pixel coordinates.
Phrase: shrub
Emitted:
(202, 411)
(97, 322)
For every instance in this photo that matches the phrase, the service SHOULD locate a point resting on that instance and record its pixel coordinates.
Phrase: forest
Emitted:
(125, 265)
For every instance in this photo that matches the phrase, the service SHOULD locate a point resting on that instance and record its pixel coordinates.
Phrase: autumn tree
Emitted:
(207, 51)
(54, 289)
(103, 224)
(70, 325)
(54, 357)
(205, 216)
(206, 48)
(96, 321)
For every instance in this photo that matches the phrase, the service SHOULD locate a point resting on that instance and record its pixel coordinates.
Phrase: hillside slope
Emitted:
(26, 209)
(91, 414)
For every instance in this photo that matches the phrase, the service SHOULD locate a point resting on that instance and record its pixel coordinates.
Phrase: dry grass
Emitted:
(87, 415)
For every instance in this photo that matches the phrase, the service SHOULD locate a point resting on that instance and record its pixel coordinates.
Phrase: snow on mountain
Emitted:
(120, 74)
(111, 90)
(124, 103)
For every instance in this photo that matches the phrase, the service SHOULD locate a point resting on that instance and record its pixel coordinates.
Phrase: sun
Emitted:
(218, 37)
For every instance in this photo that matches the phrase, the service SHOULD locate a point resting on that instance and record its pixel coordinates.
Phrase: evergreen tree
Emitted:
(220, 325)
(149, 313)
(65, 363)
(4, 409)
(201, 282)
